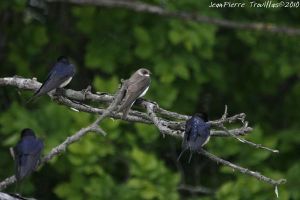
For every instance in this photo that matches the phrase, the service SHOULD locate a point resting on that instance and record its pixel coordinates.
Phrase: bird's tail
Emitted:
(18, 187)
(33, 98)
(191, 155)
(181, 153)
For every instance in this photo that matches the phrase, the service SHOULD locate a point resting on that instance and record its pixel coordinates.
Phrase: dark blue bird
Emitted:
(60, 76)
(27, 153)
(196, 135)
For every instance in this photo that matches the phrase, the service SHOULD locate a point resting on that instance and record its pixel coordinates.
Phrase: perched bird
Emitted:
(27, 153)
(196, 135)
(137, 86)
(60, 76)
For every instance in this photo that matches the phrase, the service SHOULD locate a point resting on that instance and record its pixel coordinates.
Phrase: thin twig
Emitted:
(259, 146)
(221, 125)
(114, 104)
(163, 129)
(243, 170)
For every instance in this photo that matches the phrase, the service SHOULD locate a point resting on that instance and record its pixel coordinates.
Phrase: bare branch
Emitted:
(257, 175)
(114, 104)
(4, 196)
(141, 7)
(238, 132)
(163, 112)
(242, 119)
(225, 119)
(163, 129)
(174, 128)
(6, 182)
(167, 122)
(259, 146)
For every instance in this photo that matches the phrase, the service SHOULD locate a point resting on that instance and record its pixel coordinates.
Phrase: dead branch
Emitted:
(243, 170)
(167, 122)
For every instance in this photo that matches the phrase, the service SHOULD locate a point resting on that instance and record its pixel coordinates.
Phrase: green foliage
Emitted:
(195, 67)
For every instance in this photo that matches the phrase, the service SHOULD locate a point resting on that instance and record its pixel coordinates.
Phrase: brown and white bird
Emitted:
(137, 86)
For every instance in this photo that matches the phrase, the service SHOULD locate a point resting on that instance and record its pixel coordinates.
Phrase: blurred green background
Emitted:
(195, 67)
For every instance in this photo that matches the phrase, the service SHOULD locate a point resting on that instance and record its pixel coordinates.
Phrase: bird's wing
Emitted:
(53, 82)
(134, 90)
(187, 132)
(202, 135)
(55, 78)
(45, 83)
(17, 161)
(40, 91)
(197, 136)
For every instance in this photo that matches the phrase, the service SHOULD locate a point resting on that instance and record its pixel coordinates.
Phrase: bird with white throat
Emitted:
(137, 86)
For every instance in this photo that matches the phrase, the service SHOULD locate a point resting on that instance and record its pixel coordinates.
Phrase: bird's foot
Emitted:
(87, 90)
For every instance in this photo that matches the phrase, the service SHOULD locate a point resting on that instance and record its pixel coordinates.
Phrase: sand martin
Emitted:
(137, 86)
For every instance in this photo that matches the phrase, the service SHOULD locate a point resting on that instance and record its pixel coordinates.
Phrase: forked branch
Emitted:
(167, 122)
